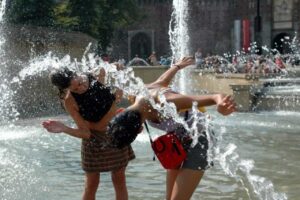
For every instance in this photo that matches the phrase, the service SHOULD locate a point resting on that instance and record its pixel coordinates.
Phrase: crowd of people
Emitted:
(248, 64)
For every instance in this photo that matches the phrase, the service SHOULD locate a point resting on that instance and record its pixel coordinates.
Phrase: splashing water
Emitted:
(227, 157)
(123, 79)
(2, 10)
(178, 30)
(7, 107)
(179, 37)
(240, 169)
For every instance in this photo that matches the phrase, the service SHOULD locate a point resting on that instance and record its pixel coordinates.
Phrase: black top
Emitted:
(96, 101)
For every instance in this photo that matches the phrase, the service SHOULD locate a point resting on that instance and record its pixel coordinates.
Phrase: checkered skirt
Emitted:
(97, 155)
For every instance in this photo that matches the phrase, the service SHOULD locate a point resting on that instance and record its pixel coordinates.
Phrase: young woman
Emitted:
(125, 126)
(91, 104)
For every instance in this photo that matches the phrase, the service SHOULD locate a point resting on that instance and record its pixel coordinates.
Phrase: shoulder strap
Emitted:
(151, 141)
(147, 128)
(186, 115)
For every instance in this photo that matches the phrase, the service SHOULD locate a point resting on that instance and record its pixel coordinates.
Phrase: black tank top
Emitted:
(95, 102)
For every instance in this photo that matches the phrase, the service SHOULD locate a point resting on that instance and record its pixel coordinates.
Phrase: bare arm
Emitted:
(165, 79)
(225, 104)
(101, 76)
(82, 131)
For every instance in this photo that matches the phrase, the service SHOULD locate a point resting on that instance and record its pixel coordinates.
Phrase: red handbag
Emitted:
(168, 149)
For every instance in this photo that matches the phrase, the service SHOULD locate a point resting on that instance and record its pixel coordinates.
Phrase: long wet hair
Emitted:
(124, 128)
(61, 78)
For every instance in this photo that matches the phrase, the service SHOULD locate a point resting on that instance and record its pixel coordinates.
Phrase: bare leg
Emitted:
(170, 180)
(91, 185)
(182, 190)
(119, 182)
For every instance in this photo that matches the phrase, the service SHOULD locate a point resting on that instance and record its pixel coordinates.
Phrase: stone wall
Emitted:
(154, 17)
(211, 24)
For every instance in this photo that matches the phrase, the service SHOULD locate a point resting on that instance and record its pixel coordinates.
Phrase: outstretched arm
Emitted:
(165, 79)
(225, 104)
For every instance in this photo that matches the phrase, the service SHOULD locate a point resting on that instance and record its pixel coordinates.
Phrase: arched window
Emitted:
(140, 45)
(281, 42)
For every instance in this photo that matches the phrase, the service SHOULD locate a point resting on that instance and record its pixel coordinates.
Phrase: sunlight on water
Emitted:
(241, 170)
(12, 132)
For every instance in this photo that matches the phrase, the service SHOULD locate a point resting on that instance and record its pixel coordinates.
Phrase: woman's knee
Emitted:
(118, 176)
(92, 181)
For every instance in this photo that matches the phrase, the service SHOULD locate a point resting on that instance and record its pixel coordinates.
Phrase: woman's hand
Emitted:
(184, 62)
(54, 126)
(118, 66)
(101, 75)
(118, 95)
(225, 105)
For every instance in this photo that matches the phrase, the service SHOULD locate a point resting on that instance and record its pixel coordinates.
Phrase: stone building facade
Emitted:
(215, 26)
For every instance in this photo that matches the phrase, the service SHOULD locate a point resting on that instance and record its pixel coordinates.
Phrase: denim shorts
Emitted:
(197, 156)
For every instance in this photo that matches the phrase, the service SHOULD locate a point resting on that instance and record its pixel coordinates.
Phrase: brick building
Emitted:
(216, 26)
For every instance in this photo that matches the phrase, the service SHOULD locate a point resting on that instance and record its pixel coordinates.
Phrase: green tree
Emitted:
(117, 14)
(63, 17)
(100, 18)
(35, 12)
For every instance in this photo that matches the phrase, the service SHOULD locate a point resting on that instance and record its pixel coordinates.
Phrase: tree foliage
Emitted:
(62, 16)
(35, 12)
(98, 18)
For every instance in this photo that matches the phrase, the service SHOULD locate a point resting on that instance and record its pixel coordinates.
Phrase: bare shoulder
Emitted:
(70, 103)
(143, 102)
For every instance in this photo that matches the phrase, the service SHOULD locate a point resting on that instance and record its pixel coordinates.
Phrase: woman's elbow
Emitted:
(85, 134)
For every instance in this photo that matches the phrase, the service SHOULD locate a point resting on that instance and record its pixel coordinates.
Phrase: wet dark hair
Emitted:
(61, 78)
(124, 128)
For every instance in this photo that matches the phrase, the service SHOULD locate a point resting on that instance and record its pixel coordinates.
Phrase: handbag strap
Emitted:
(147, 128)
(186, 116)
(150, 138)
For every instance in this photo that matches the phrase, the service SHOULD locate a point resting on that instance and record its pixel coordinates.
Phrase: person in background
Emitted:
(198, 57)
(279, 62)
(105, 57)
(125, 126)
(153, 59)
(122, 61)
(92, 104)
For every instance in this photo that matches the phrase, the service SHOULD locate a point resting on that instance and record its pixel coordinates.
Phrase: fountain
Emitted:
(36, 165)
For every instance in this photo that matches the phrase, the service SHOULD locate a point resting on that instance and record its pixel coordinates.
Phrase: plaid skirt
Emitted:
(97, 155)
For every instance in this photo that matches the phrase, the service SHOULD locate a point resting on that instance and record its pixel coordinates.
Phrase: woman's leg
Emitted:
(185, 184)
(91, 186)
(170, 180)
(119, 181)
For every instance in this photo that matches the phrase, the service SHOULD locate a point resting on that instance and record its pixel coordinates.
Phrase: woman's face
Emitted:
(79, 84)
